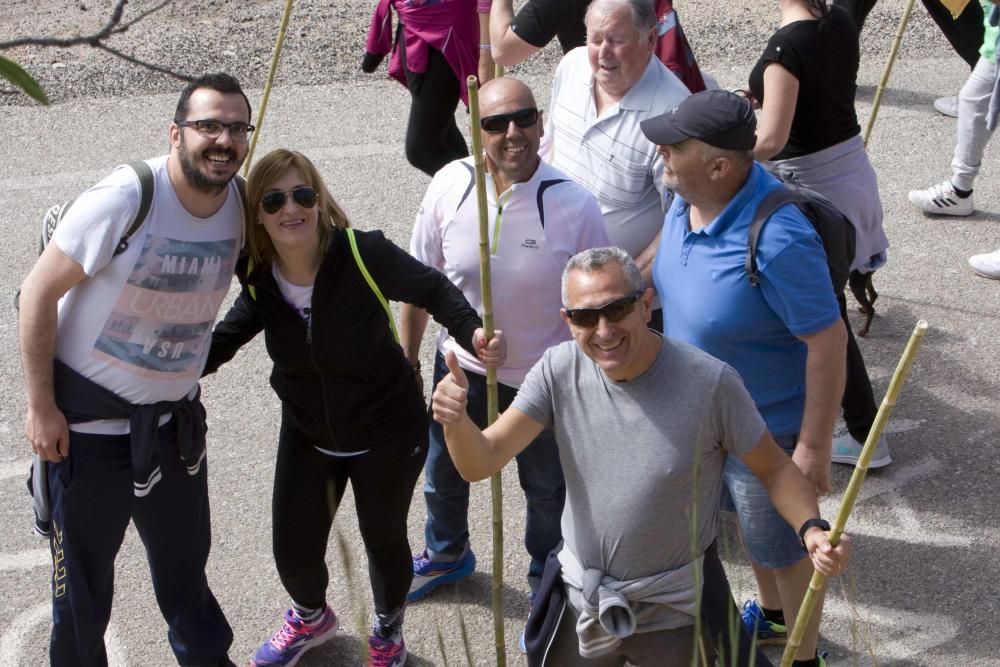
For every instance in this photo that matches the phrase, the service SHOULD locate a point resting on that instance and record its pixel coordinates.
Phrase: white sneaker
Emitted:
(941, 199)
(847, 451)
(947, 106)
(988, 265)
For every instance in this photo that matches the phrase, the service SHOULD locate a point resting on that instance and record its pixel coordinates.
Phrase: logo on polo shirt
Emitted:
(530, 244)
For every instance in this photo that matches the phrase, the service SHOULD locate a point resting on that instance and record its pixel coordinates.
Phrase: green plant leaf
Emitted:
(14, 73)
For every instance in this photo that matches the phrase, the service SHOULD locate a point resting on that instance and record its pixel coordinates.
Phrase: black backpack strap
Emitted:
(146, 187)
(771, 203)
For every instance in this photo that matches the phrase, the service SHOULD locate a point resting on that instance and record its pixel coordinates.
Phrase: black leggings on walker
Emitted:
(432, 137)
(308, 487)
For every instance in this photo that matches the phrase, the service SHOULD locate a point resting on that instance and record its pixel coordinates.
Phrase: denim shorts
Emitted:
(771, 541)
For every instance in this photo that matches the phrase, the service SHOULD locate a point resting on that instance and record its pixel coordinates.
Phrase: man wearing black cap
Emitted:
(784, 336)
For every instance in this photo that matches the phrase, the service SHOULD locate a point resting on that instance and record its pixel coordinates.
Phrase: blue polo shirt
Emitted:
(708, 300)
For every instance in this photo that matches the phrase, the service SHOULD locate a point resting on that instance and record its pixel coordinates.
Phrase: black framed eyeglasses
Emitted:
(613, 311)
(304, 196)
(212, 128)
(500, 122)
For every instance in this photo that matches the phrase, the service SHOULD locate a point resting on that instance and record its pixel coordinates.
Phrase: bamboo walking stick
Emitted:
(854, 487)
(888, 69)
(270, 82)
(496, 489)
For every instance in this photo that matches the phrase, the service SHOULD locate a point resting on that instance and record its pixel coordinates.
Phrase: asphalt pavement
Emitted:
(921, 589)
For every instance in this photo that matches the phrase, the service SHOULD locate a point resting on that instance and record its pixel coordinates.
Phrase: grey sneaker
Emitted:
(847, 451)
(940, 199)
(947, 106)
(988, 265)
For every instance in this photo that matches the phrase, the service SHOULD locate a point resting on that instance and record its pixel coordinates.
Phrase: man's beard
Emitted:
(194, 176)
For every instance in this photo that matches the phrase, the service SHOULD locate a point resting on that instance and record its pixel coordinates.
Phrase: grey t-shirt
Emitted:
(628, 452)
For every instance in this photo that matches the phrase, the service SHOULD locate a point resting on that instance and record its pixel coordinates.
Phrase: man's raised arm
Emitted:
(478, 454)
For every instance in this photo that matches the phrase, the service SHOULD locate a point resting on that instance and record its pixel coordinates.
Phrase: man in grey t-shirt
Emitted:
(644, 425)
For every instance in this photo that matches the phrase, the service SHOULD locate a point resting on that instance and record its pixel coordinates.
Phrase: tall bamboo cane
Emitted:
(496, 489)
(270, 82)
(888, 69)
(851, 494)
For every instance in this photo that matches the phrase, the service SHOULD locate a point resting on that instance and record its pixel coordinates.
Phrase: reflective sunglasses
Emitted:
(304, 196)
(614, 311)
(501, 121)
(212, 128)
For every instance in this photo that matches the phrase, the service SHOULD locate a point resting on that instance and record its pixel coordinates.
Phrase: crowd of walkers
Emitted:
(646, 368)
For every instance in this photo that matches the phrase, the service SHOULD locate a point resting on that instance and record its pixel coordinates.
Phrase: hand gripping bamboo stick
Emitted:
(854, 487)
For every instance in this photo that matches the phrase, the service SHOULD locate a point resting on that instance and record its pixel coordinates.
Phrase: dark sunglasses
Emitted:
(501, 121)
(614, 311)
(303, 195)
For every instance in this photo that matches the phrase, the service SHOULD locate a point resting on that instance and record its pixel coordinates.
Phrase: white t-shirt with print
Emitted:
(141, 323)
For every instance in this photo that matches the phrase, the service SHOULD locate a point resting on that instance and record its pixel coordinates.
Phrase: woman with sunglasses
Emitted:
(352, 407)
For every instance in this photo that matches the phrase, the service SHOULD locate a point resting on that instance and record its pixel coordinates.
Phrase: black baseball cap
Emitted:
(717, 117)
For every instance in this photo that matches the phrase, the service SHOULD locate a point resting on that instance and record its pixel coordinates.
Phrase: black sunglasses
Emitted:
(304, 196)
(614, 311)
(212, 128)
(501, 121)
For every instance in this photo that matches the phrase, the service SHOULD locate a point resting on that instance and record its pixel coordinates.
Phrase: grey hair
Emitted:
(643, 12)
(595, 259)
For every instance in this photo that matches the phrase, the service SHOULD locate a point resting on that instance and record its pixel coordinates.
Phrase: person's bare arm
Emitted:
(792, 496)
(508, 48)
(52, 276)
(487, 68)
(825, 375)
(774, 124)
(478, 454)
(645, 260)
(412, 324)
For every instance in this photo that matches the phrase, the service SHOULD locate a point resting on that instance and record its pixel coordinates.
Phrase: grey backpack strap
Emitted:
(765, 210)
(146, 186)
(241, 186)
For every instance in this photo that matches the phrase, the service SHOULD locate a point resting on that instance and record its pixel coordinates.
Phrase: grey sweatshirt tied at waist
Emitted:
(611, 610)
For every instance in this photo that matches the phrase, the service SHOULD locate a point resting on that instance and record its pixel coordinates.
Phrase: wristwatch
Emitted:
(812, 523)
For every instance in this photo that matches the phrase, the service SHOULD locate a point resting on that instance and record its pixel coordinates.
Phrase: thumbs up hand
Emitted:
(451, 395)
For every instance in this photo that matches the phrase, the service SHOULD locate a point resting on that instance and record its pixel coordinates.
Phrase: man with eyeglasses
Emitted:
(539, 218)
(600, 94)
(784, 335)
(645, 425)
(114, 337)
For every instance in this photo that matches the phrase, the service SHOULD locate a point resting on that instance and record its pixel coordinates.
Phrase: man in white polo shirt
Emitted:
(539, 218)
(600, 94)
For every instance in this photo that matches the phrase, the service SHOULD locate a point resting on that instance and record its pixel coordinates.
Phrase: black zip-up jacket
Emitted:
(343, 378)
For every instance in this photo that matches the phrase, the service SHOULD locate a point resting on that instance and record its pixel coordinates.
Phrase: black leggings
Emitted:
(308, 486)
(859, 399)
(965, 34)
(432, 137)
